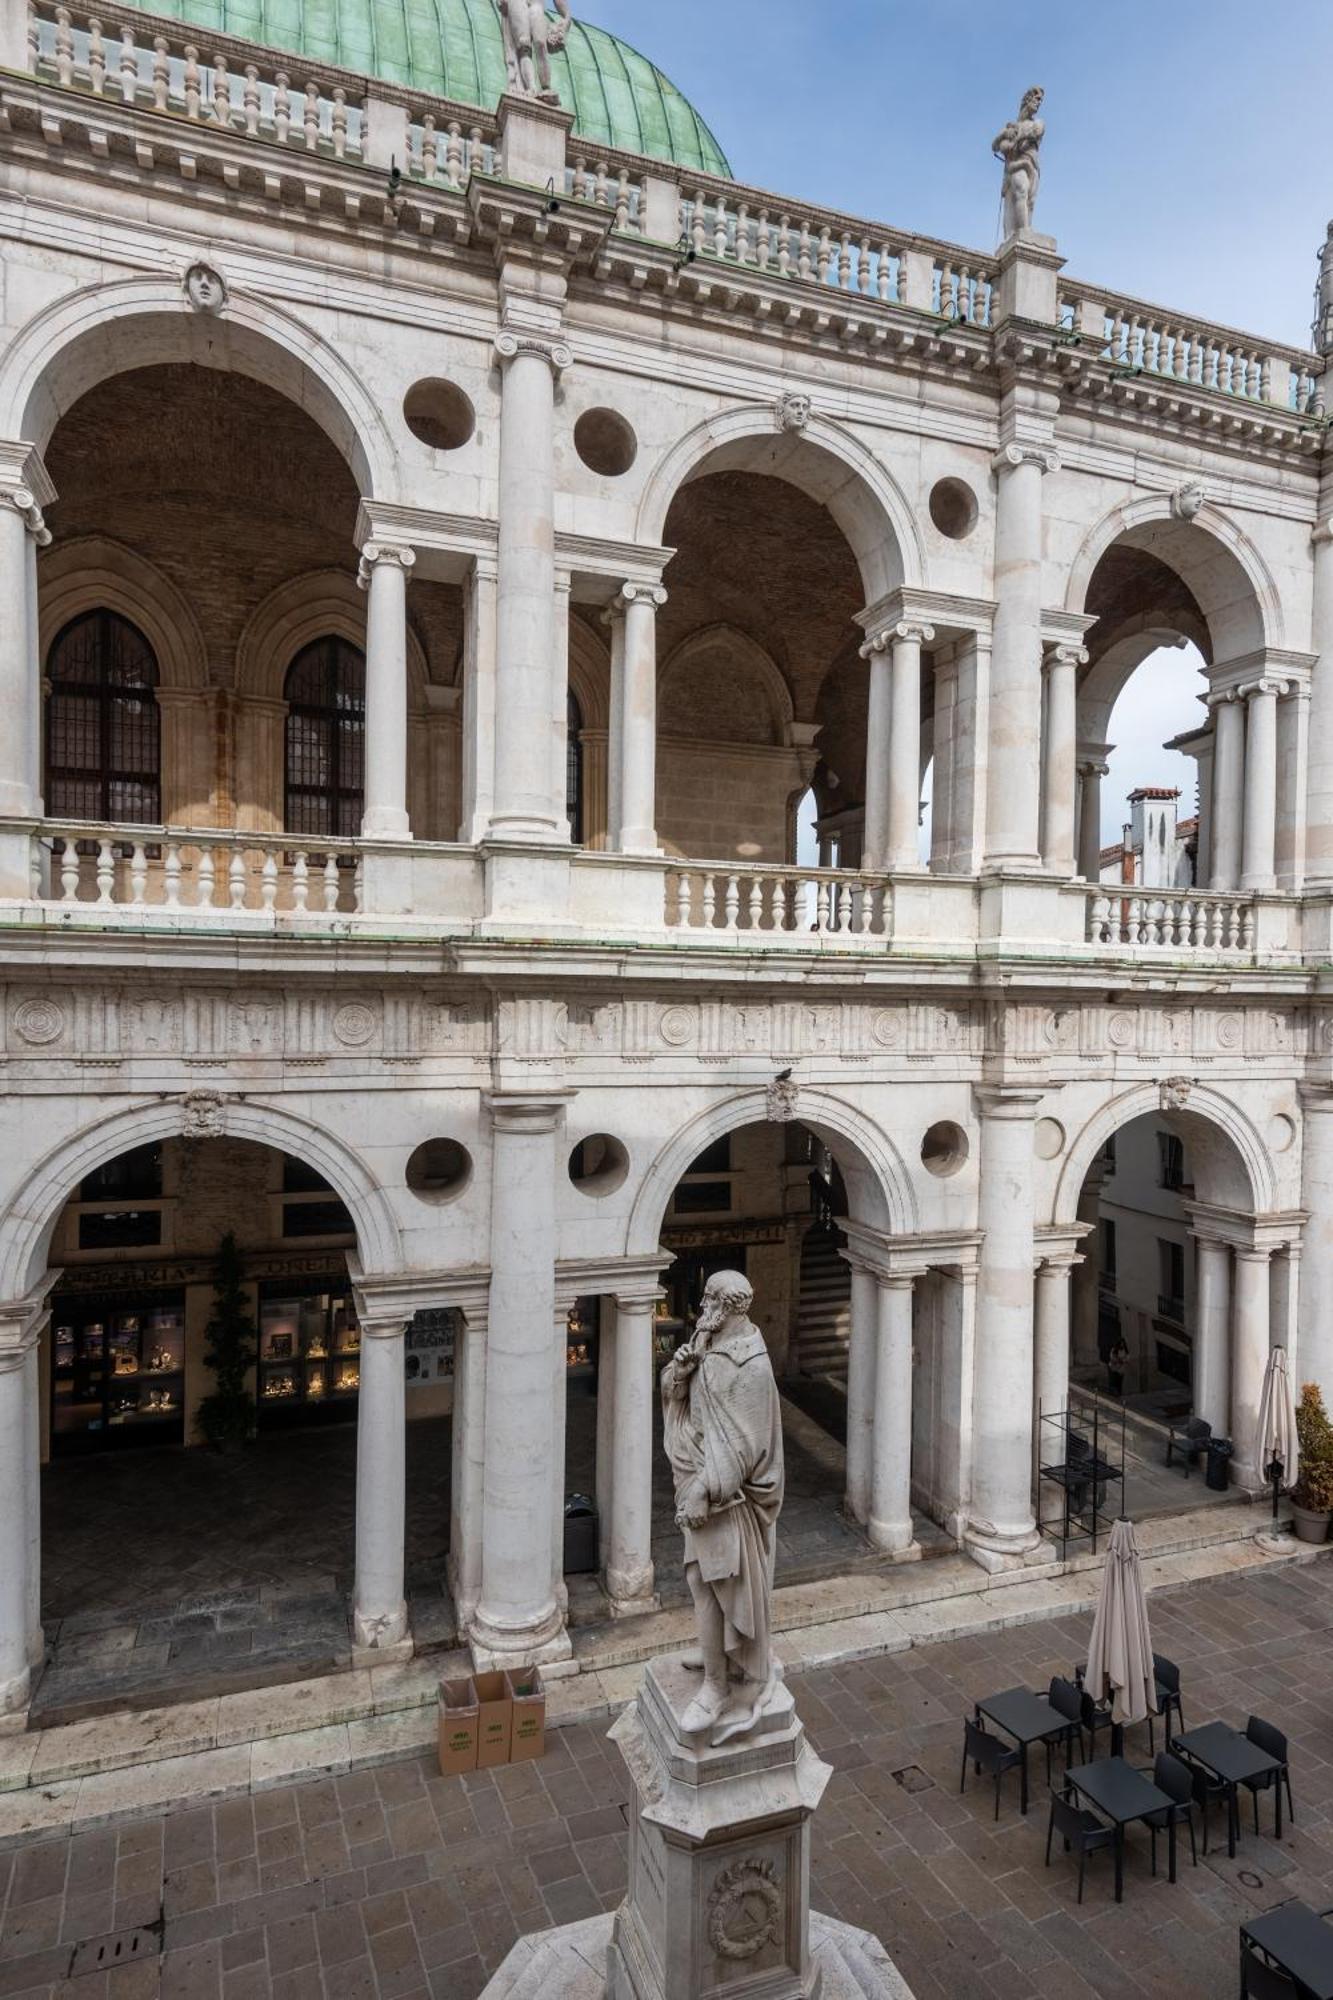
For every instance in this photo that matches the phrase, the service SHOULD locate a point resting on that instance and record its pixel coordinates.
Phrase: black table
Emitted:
(1121, 1794)
(1298, 1940)
(1028, 1719)
(1231, 1758)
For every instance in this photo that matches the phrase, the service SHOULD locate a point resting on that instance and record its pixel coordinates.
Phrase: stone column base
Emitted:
(571, 1964)
(997, 1554)
(634, 1607)
(495, 1652)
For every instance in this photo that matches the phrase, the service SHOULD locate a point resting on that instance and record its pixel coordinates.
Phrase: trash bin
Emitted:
(1219, 1451)
(580, 1535)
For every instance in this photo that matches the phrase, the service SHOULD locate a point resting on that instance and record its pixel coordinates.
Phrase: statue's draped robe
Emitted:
(725, 1435)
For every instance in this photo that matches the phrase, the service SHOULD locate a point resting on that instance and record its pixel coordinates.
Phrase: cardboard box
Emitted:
(528, 1729)
(459, 1727)
(495, 1715)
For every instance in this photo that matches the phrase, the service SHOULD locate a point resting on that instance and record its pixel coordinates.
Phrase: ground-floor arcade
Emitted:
(909, 1426)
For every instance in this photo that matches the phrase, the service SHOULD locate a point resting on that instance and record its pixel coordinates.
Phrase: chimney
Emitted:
(1153, 835)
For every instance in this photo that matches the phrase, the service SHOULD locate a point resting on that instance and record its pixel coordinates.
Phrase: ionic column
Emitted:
(559, 1363)
(518, 1616)
(22, 533)
(379, 1606)
(1013, 787)
(468, 1466)
(890, 1524)
(1091, 771)
(629, 1572)
(942, 817)
(1084, 1285)
(1001, 1524)
(1319, 783)
(1313, 1315)
(1051, 1339)
(383, 575)
(634, 719)
(525, 625)
(862, 1349)
(479, 677)
(879, 717)
(1250, 1341)
(604, 1478)
(908, 637)
(1059, 773)
(1228, 789)
(1212, 1332)
(1293, 765)
(21, 1328)
(560, 702)
(1258, 867)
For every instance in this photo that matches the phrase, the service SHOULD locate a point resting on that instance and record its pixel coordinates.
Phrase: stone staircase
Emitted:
(825, 1312)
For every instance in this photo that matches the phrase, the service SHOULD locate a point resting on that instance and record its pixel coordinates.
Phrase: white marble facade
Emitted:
(972, 428)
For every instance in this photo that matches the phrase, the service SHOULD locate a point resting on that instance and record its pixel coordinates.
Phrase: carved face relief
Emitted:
(205, 288)
(793, 411)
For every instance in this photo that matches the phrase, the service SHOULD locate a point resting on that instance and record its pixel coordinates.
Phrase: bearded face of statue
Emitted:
(726, 1294)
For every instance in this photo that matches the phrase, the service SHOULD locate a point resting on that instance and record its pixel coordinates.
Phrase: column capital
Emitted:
(637, 1303)
(22, 466)
(389, 553)
(1254, 1253)
(22, 501)
(1092, 767)
(1065, 653)
(1008, 1101)
(513, 341)
(1272, 684)
(1025, 452)
(635, 591)
(533, 1112)
(885, 637)
(390, 1326)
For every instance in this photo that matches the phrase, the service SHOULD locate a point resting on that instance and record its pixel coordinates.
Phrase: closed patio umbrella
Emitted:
(1277, 1420)
(1120, 1656)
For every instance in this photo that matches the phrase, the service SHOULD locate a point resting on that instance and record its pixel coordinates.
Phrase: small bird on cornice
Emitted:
(783, 1076)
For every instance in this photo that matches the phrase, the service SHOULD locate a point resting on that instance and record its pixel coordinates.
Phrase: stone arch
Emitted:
(827, 462)
(94, 572)
(1109, 674)
(104, 330)
(28, 1222)
(755, 664)
(1234, 1164)
(877, 1181)
(1225, 572)
(323, 603)
(589, 676)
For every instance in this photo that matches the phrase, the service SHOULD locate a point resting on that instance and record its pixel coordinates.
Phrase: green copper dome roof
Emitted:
(454, 48)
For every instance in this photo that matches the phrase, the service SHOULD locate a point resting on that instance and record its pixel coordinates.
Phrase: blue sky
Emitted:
(1187, 161)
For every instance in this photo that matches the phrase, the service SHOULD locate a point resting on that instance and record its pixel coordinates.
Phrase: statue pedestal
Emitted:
(719, 1874)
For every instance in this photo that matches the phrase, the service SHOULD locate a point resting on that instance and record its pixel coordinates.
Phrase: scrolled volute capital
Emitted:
(392, 554)
(915, 629)
(1066, 653)
(510, 343)
(654, 594)
(1269, 683)
(23, 502)
(1017, 453)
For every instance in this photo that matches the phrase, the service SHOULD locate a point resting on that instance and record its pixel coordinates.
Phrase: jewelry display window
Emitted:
(117, 1371)
(309, 1352)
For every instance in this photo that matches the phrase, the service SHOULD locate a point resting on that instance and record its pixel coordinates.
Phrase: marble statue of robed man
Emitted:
(723, 1428)
(529, 37)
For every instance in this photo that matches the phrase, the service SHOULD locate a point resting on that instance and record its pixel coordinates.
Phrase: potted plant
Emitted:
(1312, 1495)
(226, 1417)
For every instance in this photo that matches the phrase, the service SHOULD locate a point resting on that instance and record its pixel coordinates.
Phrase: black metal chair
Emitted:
(987, 1754)
(1067, 1701)
(1261, 1981)
(1081, 1830)
(1266, 1736)
(1190, 1439)
(1176, 1779)
(1096, 1715)
(1167, 1676)
(1208, 1791)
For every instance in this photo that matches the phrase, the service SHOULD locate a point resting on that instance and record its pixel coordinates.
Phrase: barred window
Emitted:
(574, 770)
(103, 736)
(326, 740)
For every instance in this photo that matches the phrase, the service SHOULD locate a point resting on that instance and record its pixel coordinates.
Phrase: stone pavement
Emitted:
(395, 1884)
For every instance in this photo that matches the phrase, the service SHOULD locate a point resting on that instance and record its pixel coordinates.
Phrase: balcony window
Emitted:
(103, 736)
(325, 692)
(574, 770)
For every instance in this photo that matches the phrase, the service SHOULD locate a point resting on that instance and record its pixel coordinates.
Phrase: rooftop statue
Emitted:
(1019, 146)
(723, 1426)
(530, 35)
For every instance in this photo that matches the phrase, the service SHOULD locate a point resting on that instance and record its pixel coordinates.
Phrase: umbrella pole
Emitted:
(1275, 1469)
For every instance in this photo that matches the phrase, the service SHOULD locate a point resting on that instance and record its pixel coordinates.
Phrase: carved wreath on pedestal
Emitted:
(744, 1910)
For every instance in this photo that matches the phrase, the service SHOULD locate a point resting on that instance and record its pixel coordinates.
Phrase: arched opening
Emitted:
(230, 1565)
(103, 736)
(1182, 631)
(325, 740)
(1183, 1288)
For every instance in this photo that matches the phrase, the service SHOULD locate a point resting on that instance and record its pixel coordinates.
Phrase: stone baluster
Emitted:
(1259, 838)
(1013, 789)
(1057, 810)
(518, 1616)
(96, 57)
(219, 110)
(282, 107)
(251, 102)
(161, 74)
(64, 47)
(524, 807)
(129, 66)
(379, 1604)
(383, 575)
(310, 117)
(22, 533)
(1001, 1527)
(193, 82)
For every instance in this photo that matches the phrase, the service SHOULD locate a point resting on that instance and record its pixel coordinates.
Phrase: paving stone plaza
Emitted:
(394, 1882)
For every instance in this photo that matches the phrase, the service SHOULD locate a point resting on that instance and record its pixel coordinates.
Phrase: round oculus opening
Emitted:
(439, 414)
(605, 443)
(944, 1149)
(598, 1164)
(953, 508)
(439, 1170)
